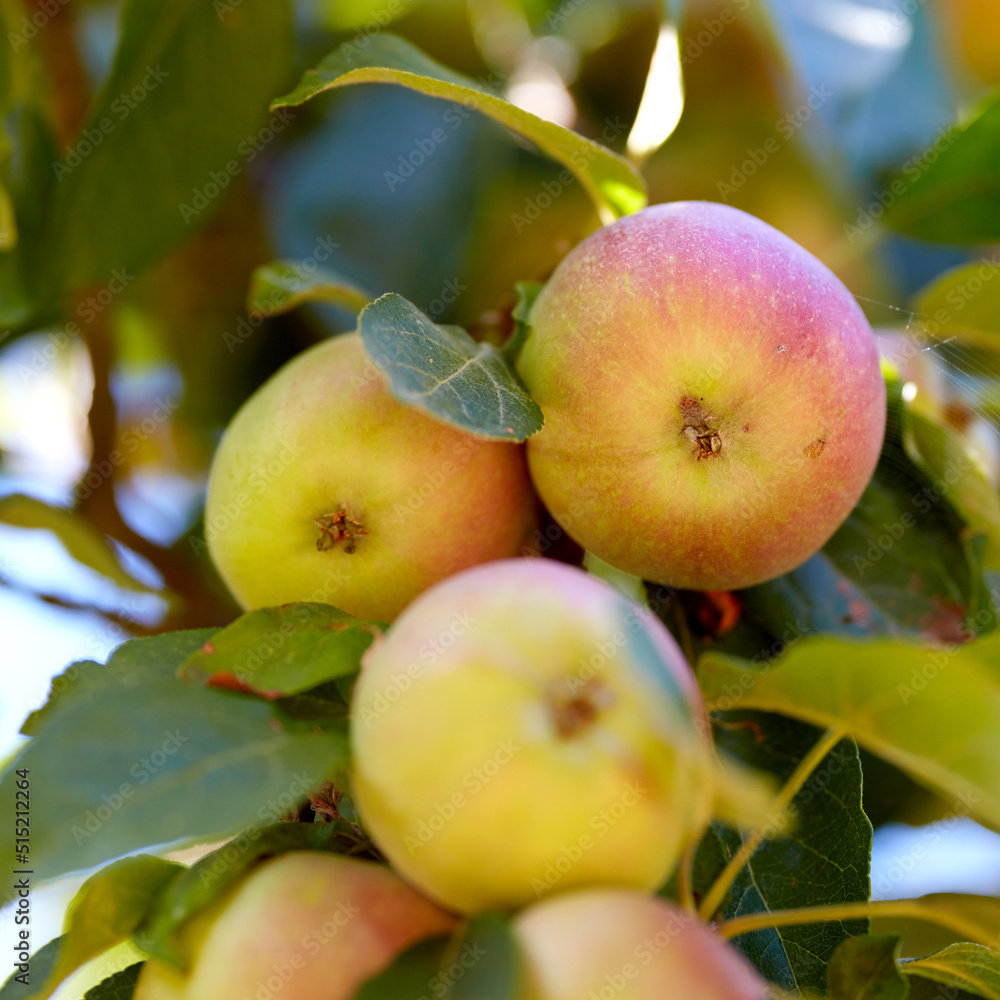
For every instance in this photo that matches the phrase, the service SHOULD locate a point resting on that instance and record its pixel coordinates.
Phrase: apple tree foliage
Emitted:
(183, 203)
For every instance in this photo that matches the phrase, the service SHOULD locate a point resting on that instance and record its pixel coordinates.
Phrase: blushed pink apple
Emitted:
(714, 406)
(326, 488)
(523, 729)
(612, 944)
(300, 926)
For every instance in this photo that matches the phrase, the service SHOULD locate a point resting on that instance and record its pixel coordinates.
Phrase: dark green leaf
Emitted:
(490, 960)
(442, 370)
(120, 986)
(934, 713)
(821, 857)
(133, 757)
(966, 966)
(282, 651)
(953, 197)
(864, 968)
(176, 124)
(481, 961)
(614, 184)
(210, 877)
(282, 285)
(410, 976)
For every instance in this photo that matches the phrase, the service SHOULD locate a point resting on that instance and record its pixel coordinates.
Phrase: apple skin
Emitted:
(307, 924)
(524, 728)
(612, 943)
(696, 318)
(325, 436)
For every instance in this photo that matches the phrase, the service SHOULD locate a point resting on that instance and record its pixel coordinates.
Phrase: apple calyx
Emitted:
(338, 527)
(572, 712)
(698, 430)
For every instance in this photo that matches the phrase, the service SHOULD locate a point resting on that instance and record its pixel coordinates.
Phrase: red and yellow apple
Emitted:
(326, 488)
(612, 944)
(713, 401)
(522, 729)
(302, 925)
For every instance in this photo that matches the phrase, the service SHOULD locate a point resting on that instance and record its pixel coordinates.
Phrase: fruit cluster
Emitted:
(524, 738)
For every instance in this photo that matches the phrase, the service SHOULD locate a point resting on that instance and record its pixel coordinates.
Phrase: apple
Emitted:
(713, 401)
(613, 944)
(305, 925)
(524, 728)
(326, 488)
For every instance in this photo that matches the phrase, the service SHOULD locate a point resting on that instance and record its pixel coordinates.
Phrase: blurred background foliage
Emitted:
(143, 180)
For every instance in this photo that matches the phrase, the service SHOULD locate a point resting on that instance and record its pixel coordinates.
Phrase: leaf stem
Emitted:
(685, 879)
(911, 909)
(717, 894)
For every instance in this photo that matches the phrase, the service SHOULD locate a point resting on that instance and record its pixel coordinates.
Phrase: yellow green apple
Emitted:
(300, 926)
(326, 488)
(613, 944)
(523, 729)
(713, 402)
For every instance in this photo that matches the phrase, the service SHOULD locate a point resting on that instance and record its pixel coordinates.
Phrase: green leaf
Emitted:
(134, 757)
(210, 877)
(527, 292)
(611, 181)
(120, 986)
(110, 905)
(953, 197)
(864, 968)
(961, 481)
(965, 918)
(81, 540)
(42, 965)
(410, 975)
(967, 966)
(934, 713)
(443, 371)
(965, 302)
(485, 951)
(282, 651)
(177, 122)
(282, 285)
(818, 857)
